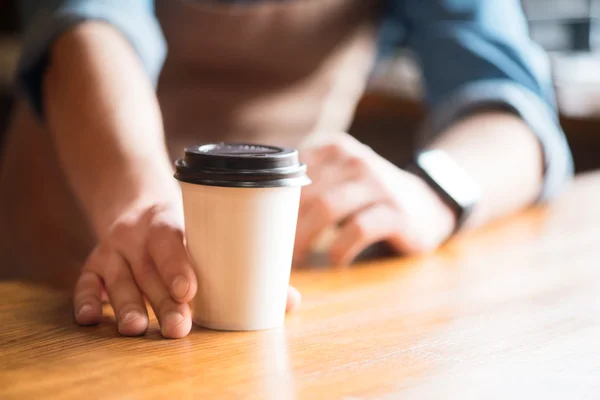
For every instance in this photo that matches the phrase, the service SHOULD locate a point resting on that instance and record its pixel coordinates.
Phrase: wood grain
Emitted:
(512, 311)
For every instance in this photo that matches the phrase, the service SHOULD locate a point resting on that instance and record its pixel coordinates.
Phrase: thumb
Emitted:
(294, 298)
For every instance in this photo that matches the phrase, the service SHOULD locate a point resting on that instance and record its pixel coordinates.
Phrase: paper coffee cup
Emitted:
(241, 208)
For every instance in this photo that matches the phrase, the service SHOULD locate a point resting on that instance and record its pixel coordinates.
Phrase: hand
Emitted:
(368, 200)
(142, 256)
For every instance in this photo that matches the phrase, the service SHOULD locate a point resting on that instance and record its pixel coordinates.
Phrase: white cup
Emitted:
(241, 208)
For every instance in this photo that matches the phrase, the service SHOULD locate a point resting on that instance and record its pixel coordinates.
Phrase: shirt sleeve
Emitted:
(45, 20)
(477, 54)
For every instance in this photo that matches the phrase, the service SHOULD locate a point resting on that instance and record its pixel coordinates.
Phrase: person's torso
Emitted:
(263, 71)
(270, 72)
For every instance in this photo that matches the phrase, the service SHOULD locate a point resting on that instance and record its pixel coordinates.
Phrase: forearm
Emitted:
(105, 121)
(503, 155)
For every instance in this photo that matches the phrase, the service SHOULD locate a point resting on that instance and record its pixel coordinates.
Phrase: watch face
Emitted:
(450, 177)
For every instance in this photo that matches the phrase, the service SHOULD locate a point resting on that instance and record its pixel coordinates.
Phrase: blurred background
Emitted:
(391, 111)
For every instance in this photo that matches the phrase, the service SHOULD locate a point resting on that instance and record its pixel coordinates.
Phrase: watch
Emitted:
(452, 184)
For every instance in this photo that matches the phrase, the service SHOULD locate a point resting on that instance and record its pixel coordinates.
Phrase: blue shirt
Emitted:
(474, 54)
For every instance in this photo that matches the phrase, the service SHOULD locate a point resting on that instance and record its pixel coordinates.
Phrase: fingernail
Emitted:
(85, 309)
(173, 325)
(174, 318)
(180, 286)
(130, 316)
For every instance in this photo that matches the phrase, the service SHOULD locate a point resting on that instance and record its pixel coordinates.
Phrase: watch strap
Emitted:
(450, 182)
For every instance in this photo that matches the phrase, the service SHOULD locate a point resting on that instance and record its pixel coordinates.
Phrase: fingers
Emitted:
(166, 248)
(374, 224)
(87, 300)
(164, 273)
(174, 318)
(322, 154)
(323, 179)
(124, 288)
(294, 298)
(123, 292)
(332, 207)
(327, 166)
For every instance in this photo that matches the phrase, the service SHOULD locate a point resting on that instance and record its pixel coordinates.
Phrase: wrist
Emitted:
(451, 184)
(441, 217)
(132, 192)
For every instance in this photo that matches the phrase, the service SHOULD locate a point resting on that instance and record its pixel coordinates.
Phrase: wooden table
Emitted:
(509, 312)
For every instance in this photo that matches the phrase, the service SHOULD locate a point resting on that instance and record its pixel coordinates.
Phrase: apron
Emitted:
(272, 72)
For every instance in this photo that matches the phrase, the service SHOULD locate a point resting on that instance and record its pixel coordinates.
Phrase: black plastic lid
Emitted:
(241, 165)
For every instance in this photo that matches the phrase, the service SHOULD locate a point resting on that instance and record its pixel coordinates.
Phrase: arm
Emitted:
(499, 151)
(91, 86)
(489, 90)
(110, 141)
(88, 68)
(491, 96)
